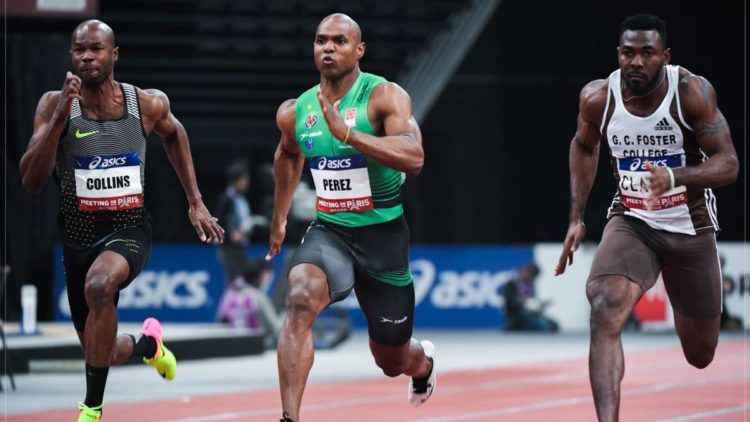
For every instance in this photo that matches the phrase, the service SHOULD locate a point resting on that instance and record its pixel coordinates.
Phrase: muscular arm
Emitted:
(401, 147)
(288, 162)
(584, 148)
(699, 105)
(50, 120)
(39, 160)
(583, 159)
(155, 107)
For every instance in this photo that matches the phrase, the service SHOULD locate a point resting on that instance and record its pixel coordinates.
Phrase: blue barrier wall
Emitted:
(454, 286)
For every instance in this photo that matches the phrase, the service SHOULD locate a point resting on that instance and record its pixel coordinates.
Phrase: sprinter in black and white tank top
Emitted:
(92, 135)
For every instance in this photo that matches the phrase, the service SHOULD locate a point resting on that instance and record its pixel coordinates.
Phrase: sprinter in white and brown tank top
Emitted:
(669, 145)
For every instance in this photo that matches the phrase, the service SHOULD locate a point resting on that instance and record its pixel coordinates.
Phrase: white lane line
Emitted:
(708, 414)
(571, 401)
(493, 385)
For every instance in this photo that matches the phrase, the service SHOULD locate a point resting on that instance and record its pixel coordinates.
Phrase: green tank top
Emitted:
(353, 190)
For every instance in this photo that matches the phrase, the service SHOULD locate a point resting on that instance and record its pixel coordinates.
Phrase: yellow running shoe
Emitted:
(90, 414)
(164, 360)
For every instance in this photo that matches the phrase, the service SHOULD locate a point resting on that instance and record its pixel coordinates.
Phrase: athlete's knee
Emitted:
(701, 358)
(303, 301)
(609, 309)
(100, 290)
(701, 355)
(391, 367)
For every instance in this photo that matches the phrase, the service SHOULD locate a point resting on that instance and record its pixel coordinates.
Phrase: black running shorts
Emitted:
(372, 260)
(133, 243)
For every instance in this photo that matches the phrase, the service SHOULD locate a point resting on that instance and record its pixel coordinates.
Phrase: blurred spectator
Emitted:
(729, 322)
(524, 310)
(233, 211)
(245, 303)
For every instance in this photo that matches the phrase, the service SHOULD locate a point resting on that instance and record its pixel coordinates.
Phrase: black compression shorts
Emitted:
(133, 243)
(372, 260)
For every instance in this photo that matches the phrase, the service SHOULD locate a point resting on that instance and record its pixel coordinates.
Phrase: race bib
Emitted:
(109, 182)
(634, 186)
(342, 184)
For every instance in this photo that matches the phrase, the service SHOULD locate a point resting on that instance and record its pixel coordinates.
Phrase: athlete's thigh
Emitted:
(76, 264)
(384, 286)
(692, 274)
(325, 249)
(626, 250)
(389, 309)
(697, 333)
(134, 245)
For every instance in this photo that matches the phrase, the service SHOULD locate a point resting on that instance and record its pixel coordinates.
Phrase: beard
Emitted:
(640, 89)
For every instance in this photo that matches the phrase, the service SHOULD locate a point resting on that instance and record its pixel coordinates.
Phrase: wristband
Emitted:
(348, 132)
(671, 178)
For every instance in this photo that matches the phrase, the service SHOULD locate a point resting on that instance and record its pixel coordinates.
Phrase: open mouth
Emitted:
(328, 60)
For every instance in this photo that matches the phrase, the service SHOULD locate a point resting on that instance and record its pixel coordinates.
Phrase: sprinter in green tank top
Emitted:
(359, 134)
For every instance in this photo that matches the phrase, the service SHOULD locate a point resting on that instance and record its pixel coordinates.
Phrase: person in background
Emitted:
(245, 303)
(234, 211)
(524, 311)
(728, 322)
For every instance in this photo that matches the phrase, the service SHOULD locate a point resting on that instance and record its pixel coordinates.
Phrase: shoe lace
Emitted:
(420, 385)
(94, 412)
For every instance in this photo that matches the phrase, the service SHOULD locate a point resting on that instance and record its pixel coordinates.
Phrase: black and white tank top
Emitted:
(100, 170)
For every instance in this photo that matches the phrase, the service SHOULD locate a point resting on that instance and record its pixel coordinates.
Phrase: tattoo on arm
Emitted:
(710, 129)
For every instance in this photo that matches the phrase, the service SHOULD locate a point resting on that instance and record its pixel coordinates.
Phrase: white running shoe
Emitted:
(421, 389)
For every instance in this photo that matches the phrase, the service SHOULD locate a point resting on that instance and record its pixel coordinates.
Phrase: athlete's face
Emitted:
(338, 47)
(642, 57)
(93, 54)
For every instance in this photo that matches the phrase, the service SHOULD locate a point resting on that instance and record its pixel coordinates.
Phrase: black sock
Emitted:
(145, 347)
(96, 380)
(285, 418)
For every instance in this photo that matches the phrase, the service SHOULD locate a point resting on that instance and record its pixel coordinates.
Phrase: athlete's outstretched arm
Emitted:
(700, 108)
(50, 120)
(177, 146)
(401, 147)
(288, 162)
(583, 159)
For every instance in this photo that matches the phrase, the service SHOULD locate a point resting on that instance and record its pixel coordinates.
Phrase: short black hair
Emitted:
(645, 22)
(237, 169)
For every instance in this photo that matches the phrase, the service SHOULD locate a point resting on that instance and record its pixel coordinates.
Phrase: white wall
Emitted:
(568, 291)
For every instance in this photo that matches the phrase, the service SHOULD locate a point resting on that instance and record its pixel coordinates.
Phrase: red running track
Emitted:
(659, 386)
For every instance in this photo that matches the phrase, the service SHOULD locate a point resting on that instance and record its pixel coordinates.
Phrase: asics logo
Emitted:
(334, 163)
(98, 162)
(640, 165)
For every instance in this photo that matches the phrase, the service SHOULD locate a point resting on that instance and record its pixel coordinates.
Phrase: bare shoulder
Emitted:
(593, 99)
(47, 103)
(389, 98)
(389, 92)
(689, 81)
(154, 103)
(697, 95)
(286, 116)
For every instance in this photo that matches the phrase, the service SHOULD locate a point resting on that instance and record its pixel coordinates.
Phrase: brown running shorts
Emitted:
(689, 263)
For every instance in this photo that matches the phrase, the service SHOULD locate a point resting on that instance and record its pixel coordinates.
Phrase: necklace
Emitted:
(622, 85)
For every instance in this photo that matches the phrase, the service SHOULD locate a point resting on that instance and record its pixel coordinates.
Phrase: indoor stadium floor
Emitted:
(482, 375)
